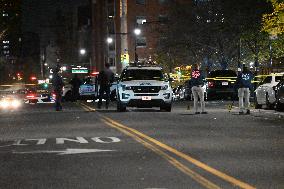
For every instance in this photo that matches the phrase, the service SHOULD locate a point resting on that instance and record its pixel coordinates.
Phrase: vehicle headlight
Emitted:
(16, 103)
(124, 87)
(4, 103)
(165, 87)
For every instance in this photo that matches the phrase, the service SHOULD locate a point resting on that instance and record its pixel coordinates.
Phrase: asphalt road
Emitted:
(82, 147)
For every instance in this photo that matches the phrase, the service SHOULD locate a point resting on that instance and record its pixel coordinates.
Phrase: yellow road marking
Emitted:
(186, 157)
(198, 178)
(86, 107)
(203, 166)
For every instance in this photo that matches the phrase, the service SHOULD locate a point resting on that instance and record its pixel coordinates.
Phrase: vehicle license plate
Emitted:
(225, 83)
(146, 98)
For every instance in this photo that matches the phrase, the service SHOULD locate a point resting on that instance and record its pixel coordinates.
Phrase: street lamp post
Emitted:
(137, 32)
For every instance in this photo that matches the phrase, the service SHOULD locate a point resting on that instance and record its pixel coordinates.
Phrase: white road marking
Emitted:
(68, 151)
(99, 139)
(40, 141)
(78, 140)
(60, 141)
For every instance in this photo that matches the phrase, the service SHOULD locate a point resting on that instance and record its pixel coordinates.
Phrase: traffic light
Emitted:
(45, 85)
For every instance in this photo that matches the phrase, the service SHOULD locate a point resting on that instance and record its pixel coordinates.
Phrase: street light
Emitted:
(82, 51)
(109, 40)
(137, 32)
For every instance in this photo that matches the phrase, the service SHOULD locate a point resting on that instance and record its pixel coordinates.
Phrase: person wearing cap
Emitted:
(197, 82)
(57, 84)
(244, 85)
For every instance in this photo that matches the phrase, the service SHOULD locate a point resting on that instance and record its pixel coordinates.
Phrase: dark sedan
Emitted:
(220, 84)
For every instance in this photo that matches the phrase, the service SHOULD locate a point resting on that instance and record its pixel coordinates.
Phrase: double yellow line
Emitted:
(161, 149)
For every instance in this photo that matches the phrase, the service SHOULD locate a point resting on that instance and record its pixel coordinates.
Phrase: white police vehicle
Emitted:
(144, 87)
(265, 93)
(89, 90)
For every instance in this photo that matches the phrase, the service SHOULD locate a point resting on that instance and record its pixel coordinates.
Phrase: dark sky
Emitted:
(38, 16)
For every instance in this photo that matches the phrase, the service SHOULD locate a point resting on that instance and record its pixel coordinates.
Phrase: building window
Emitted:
(165, 2)
(163, 18)
(140, 2)
(141, 42)
(141, 20)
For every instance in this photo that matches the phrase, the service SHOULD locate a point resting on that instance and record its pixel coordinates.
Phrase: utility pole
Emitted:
(124, 29)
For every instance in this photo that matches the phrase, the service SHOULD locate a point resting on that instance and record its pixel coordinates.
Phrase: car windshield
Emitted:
(278, 78)
(268, 79)
(142, 74)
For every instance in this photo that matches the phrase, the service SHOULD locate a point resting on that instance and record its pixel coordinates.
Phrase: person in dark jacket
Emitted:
(57, 84)
(75, 82)
(105, 80)
(197, 83)
(244, 85)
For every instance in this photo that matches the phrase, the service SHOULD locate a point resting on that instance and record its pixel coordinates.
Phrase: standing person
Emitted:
(57, 84)
(244, 86)
(197, 82)
(105, 79)
(75, 82)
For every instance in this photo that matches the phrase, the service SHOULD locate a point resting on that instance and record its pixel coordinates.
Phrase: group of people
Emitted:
(105, 79)
(243, 84)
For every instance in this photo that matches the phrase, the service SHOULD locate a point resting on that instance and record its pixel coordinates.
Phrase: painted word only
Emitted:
(80, 140)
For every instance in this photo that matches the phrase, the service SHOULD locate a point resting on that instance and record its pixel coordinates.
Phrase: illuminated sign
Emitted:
(80, 70)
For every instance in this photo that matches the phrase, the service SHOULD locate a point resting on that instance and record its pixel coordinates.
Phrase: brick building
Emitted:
(117, 19)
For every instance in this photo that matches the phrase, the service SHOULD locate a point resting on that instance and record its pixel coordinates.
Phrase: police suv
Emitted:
(144, 87)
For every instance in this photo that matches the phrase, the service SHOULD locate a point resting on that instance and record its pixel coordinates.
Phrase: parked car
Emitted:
(39, 94)
(280, 95)
(221, 84)
(265, 93)
(178, 93)
(89, 90)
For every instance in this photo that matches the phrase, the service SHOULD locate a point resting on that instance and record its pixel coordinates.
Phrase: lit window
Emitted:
(163, 18)
(141, 19)
(141, 42)
(140, 2)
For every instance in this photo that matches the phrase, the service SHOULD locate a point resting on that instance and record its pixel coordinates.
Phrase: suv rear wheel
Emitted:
(256, 105)
(269, 106)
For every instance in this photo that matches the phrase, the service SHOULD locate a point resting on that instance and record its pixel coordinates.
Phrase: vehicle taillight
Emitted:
(53, 95)
(210, 84)
(30, 96)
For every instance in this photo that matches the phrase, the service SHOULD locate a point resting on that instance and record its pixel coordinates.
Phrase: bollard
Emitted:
(230, 107)
(188, 107)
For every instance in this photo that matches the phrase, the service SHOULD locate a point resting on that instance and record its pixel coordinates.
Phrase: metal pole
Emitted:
(135, 53)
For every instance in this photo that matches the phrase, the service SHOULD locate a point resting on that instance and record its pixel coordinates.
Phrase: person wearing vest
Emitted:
(105, 80)
(197, 82)
(244, 85)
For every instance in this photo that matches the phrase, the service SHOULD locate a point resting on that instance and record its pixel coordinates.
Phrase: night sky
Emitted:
(38, 16)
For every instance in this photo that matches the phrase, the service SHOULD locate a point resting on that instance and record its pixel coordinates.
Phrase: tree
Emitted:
(273, 23)
(211, 31)
(9, 16)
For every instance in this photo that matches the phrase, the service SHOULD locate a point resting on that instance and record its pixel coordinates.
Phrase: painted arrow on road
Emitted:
(64, 152)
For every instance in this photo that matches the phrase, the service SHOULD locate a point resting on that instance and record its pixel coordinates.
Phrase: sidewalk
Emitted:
(226, 107)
